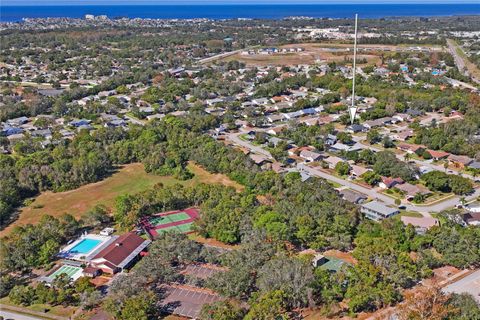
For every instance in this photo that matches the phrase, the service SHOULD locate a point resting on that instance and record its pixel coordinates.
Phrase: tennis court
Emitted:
(71, 271)
(175, 217)
(172, 221)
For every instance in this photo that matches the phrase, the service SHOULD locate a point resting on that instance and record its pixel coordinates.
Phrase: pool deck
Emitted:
(105, 241)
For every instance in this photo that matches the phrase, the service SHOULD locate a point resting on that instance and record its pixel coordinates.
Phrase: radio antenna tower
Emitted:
(353, 109)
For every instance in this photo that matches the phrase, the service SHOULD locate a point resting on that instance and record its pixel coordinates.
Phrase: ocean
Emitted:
(269, 11)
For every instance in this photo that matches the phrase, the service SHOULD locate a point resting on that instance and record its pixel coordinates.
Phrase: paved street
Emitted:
(372, 193)
(234, 137)
(459, 62)
(16, 316)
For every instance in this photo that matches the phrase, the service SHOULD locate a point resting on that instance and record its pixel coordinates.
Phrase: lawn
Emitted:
(131, 178)
(52, 310)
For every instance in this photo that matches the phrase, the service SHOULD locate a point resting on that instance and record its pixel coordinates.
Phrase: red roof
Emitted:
(438, 154)
(120, 249)
(388, 181)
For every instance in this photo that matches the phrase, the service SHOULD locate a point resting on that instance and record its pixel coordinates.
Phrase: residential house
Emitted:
(310, 156)
(421, 224)
(80, 122)
(275, 117)
(459, 161)
(353, 196)
(355, 128)
(474, 165)
(17, 121)
(377, 211)
(259, 159)
(389, 182)
(411, 148)
(471, 219)
(438, 155)
(403, 135)
(332, 161)
(357, 171)
(411, 190)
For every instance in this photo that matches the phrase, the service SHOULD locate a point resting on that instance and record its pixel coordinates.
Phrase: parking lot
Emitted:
(187, 301)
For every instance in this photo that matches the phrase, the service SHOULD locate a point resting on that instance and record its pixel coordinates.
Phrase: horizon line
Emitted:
(7, 3)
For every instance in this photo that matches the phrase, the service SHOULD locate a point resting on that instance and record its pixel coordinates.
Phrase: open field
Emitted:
(131, 178)
(324, 52)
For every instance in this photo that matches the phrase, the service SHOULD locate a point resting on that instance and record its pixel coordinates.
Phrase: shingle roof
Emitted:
(120, 249)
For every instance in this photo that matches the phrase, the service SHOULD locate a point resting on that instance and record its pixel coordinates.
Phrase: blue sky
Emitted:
(186, 2)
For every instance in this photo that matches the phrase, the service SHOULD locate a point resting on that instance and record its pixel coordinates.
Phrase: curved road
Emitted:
(425, 210)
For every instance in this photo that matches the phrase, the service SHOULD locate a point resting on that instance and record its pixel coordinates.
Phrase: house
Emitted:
(411, 148)
(80, 123)
(353, 196)
(330, 139)
(332, 161)
(17, 121)
(275, 117)
(8, 131)
(471, 218)
(422, 224)
(389, 182)
(474, 165)
(261, 101)
(411, 190)
(357, 171)
(377, 211)
(355, 128)
(338, 147)
(259, 159)
(310, 156)
(403, 135)
(119, 254)
(438, 155)
(414, 112)
(459, 161)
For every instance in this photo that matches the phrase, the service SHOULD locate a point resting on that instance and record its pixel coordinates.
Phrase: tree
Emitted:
(371, 178)
(426, 303)
(22, 295)
(222, 310)
(290, 275)
(342, 168)
(268, 306)
(465, 305)
(97, 216)
(345, 137)
(90, 299)
(373, 136)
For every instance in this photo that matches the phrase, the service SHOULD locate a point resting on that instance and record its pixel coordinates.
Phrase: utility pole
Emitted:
(353, 109)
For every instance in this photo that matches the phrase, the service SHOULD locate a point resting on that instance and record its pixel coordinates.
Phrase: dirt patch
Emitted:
(345, 256)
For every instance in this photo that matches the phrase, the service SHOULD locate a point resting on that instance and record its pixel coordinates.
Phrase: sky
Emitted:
(190, 2)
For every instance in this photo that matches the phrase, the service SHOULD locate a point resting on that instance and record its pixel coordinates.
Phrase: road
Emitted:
(235, 138)
(16, 316)
(220, 56)
(459, 60)
(424, 210)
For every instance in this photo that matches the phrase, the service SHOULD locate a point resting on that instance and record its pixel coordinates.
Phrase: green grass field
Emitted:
(130, 179)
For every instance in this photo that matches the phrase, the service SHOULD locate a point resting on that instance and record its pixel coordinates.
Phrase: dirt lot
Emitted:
(130, 178)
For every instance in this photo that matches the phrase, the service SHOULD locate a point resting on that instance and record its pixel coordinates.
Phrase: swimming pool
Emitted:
(85, 246)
